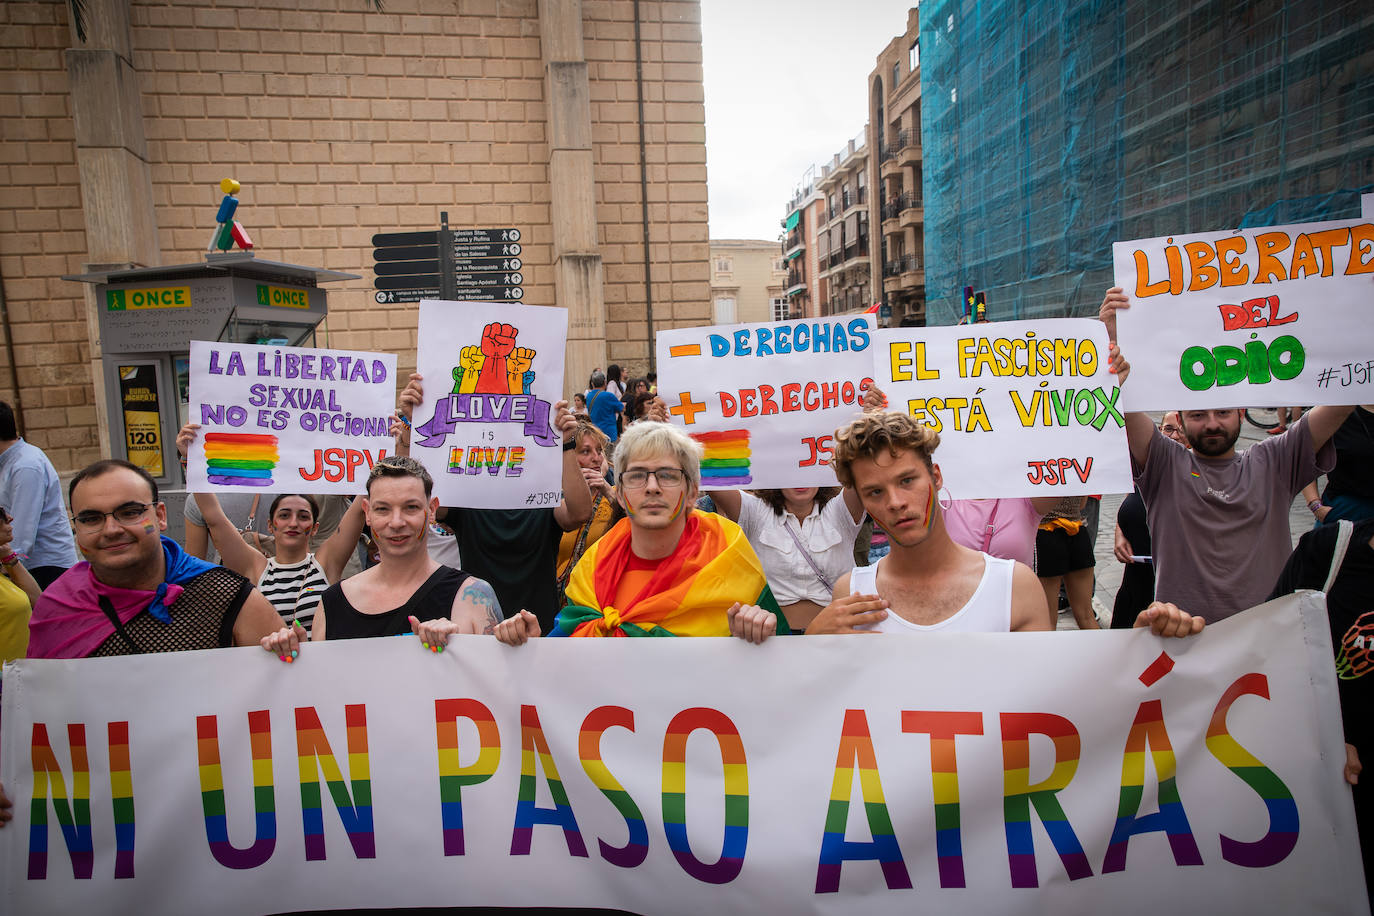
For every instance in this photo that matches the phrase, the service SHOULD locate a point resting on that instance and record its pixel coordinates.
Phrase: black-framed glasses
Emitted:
(635, 478)
(127, 514)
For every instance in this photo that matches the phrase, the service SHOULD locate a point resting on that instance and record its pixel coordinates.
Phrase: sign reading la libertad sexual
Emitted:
(492, 375)
(1023, 408)
(939, 773)
(287, 419)
(765, 399)
(1270, 316)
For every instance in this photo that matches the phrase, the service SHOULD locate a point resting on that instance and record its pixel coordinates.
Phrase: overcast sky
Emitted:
(786, 87)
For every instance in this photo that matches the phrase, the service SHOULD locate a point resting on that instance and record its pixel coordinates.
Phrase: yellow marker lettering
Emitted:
(922, 373)
(898, 354)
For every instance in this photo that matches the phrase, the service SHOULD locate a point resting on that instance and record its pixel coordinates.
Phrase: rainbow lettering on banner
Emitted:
(240, 459)
(1274, 846)
(636, 848)
(212, 792)
(122, 799)
(74, 815)
(736, 767)
(1019, 795)
(1148, 732)
(355, 812)
(534, 755)
(452, 774)
(725, 459)
(856, 752)
(944, 778)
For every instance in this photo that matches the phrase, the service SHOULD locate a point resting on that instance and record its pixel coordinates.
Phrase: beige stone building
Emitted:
(894, 142)
(568, 119)
(747, 281)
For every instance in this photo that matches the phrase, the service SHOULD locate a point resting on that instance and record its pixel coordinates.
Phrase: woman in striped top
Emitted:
(294, 579)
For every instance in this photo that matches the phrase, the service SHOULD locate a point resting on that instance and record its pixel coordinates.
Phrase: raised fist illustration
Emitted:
(470, 360)
(497, 342)
(517, 365)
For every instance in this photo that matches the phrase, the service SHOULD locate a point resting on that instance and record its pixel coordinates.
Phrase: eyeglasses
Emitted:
(127, 514)
(666, 477)
(1169, 430)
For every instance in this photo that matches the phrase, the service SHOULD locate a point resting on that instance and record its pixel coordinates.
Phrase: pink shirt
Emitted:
(1013, 527)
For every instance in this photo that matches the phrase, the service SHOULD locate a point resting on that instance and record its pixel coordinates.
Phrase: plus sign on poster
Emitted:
(764, 400)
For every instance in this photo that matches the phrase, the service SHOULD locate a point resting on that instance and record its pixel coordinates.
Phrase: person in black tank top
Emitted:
(431, 601)
(406, 591)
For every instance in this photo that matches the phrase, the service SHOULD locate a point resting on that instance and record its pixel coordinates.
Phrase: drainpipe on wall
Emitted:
(18, 404)
(644, 189)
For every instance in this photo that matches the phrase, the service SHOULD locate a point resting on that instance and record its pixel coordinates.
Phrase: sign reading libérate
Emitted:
(1276, 315)
(941, 773)
(287, 419)
(1023, 408)
(764, 400)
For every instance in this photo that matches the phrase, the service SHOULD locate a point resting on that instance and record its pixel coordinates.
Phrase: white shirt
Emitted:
(988, 609)
(828, 535)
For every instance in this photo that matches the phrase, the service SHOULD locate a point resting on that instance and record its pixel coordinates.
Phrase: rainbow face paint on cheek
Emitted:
(73, 814)
(149, 527)
(930, 506)
(212, 792)
(736, 767)
(535, 755)
(312, 745)
(677, 510)
(452, 774)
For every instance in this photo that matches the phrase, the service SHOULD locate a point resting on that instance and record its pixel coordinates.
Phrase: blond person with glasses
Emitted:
(667, 569)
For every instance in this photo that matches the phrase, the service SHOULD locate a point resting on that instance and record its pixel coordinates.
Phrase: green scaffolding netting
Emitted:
(1054, 127)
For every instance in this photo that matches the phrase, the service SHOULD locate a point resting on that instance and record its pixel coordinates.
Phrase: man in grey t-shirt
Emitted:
(1218, 517)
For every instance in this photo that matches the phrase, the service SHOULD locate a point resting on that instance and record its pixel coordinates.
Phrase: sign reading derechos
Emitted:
(935, 773)
(764, 400)
(492, 375)
(1276, 315)
(287, 419)
(1023, 408)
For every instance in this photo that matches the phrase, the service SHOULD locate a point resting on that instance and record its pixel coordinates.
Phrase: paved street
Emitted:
(1109, 570)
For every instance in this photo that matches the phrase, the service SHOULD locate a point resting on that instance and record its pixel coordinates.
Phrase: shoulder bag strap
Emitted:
(806, 554)
(991, 527)
(1345, 529)
(109, 612)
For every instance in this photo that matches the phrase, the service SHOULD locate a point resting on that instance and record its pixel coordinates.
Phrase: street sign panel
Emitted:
(391, 297)
(484, 250)
(486, 235)
(392, 239)
(410, 253)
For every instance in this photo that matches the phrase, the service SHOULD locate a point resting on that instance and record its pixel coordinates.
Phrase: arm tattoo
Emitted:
(480, 593)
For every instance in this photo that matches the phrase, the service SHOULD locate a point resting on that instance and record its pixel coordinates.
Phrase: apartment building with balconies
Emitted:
(842, 242)
(894, 142)
(804, 289)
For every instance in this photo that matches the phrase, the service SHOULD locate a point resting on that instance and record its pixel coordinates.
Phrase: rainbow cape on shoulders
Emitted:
(687, 595)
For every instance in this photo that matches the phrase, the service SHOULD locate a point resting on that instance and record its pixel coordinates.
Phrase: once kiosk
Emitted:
(149, 315)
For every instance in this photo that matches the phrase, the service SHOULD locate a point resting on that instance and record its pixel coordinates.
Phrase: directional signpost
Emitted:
(459, 264)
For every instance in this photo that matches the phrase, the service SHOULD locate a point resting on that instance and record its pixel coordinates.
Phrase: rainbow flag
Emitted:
(687, 595)
(240, 459)
(725, 461)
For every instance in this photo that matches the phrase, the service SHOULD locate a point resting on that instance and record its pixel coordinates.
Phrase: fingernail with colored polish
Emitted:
(282, 657)
(294, 653)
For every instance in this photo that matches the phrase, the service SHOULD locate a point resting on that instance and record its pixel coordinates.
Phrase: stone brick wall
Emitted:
(341, 122)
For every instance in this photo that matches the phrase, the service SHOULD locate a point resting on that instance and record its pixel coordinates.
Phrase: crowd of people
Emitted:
(628, 551)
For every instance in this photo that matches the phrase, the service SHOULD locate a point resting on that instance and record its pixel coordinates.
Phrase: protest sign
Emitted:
(764, 400)
(940, 772)
(287, 419)
(1023, 408)
(1254, 317)
(492, 374)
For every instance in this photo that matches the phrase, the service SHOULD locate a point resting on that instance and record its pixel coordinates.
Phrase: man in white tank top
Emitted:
(928, 582)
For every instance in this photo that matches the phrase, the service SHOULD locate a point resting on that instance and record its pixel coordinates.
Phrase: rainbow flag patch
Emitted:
(240, 459)
(725, 461)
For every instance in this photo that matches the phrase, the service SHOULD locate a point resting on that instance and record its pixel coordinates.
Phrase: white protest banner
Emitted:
(1256, 317)
(1367, 206)
(940, 772)
(1023, 408)
(492, 374)
(287, 419)
(764, 400)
